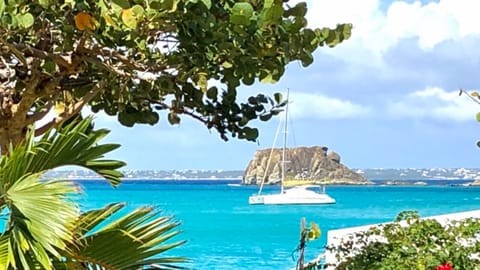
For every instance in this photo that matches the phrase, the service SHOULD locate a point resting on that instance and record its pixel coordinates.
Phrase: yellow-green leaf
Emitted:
(109, 20)
(202, 81)
(268, 79)
(315, 229)
(227, 64)
(241, 13)
(132, 16)
(26, 20)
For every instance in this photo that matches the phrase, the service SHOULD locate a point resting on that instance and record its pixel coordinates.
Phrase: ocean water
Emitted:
(224, 232)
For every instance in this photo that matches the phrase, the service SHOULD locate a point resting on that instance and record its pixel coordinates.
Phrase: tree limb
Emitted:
(32, 118)
(111, 69)
(15, 51)
(470, 96)
(190, 113)
(77, 107)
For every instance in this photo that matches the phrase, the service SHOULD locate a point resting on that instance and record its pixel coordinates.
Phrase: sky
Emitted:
(385, 98)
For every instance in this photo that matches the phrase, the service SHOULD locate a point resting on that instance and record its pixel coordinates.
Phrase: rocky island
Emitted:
(303, 164)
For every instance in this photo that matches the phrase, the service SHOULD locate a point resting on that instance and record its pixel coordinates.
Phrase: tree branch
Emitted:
(15, 51)
(476, 100)
(93, 60)
(32, 118)
(77, 107)
(190, 113)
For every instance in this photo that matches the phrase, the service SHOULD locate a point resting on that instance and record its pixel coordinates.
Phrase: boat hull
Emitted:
(287, 198)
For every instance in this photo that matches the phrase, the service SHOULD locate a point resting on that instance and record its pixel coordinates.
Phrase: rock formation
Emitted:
(302, 163)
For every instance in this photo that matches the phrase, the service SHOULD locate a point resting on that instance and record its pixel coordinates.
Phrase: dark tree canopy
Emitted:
(136, 58)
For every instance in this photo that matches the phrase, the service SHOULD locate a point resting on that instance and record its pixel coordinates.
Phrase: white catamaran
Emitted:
(302, 194)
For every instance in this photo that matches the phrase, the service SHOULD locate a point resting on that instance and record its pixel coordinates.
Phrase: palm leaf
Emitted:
(133, 241)
(73, 144)
(45, 229)
(40, 213)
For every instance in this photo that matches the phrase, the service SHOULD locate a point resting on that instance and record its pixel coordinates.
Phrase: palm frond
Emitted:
(41, 213)
(73, 144)
(133, 241)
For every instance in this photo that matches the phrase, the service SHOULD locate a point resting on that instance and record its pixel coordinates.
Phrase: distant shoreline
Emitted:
(377, 182)
(409, 174)
(153, 179)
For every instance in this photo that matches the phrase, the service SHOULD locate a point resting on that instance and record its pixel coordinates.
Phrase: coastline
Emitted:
(232, 180)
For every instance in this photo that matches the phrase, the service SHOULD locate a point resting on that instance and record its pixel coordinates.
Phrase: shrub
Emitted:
(412, 243)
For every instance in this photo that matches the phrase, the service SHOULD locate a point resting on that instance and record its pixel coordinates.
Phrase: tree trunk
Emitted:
(12, 132)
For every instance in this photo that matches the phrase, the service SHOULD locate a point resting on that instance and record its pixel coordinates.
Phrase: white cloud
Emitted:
(316, 106)
(435, 103)
(375, 30)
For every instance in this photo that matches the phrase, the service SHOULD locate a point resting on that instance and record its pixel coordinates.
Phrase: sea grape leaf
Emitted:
(26, 20)
(278, 97)
(173, 118)
(241, 13)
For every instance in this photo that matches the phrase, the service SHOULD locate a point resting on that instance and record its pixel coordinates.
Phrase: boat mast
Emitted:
(284, 143)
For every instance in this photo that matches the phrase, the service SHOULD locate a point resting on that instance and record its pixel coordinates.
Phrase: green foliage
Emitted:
(132, 241)
(44, 228)
(134, 59)
(73, 144)
(412, 243)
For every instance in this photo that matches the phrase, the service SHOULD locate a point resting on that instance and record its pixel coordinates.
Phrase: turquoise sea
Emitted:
(224, 232)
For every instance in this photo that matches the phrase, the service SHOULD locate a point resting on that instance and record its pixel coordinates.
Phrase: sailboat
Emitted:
(301, 194)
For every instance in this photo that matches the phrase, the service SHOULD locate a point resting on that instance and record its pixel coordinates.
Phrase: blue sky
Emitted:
(386, 98)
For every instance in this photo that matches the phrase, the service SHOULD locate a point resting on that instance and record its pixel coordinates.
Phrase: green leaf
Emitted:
(2, 7)
(347, 30)
(251, 133)
(122, 3)
(299, 10)
(170, 5)
(207, 3)
(26, 20)
(267, 4)
(49, 66)
(241, 13)
(249, 79)
(278, 97)
(272, 15)
(133, 241)
(139, 12)
(212, 93)
(478, 117)
(126, 119)
(44, 3)
(202, 81)
(268, 79)
(151, 118)
(306, 58)
(227, 64)
(72, 144)
(266, 117)
(173, 118)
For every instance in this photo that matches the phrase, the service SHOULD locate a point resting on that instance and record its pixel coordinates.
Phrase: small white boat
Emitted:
(295, 195)
(301, 194)
(234, 185)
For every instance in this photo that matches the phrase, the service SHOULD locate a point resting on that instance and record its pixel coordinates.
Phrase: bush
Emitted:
(412, 243)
